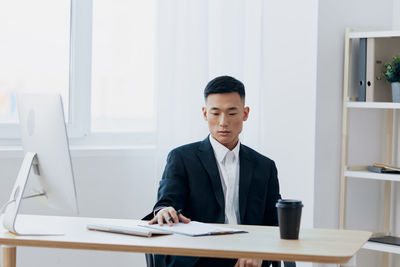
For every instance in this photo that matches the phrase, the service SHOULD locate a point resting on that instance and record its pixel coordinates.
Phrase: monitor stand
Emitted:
(14, 203)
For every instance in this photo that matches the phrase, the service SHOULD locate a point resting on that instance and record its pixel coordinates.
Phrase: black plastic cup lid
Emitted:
(288, 203)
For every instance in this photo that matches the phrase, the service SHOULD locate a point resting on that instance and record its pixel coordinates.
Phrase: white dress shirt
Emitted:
(228, 166)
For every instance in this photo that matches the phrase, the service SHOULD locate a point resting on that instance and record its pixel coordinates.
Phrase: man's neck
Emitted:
(230, 146)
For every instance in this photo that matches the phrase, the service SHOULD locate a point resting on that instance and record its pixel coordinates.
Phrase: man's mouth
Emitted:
(224, 132)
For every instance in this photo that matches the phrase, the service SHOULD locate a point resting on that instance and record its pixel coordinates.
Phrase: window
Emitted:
(99, 55)
(123, 46)
(34, 51)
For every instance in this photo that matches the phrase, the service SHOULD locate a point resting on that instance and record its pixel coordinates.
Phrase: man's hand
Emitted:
(248, 263)
(168, 215)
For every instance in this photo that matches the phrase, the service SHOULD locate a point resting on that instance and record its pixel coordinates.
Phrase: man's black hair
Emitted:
(223, 85)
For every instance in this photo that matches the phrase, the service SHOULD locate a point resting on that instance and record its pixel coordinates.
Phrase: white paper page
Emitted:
(193, 229)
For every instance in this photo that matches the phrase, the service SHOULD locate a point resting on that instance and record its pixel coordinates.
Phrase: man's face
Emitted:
(225, 114)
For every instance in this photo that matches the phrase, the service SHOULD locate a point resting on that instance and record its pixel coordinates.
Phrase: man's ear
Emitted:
(204, 110)
(246, 113)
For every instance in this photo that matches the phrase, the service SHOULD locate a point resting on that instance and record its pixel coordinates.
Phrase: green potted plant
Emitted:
(392, 74)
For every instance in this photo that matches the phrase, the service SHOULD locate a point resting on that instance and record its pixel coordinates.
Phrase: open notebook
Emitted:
(193, 229)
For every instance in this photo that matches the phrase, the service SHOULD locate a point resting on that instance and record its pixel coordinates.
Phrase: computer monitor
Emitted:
(46, 148)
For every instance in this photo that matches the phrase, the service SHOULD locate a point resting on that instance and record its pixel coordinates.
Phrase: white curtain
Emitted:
(197, 41)
(269, 45)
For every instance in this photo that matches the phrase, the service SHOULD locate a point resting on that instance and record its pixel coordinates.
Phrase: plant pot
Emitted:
(396, 92)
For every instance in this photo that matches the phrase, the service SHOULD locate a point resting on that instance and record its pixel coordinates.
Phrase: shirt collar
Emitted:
(220, 150)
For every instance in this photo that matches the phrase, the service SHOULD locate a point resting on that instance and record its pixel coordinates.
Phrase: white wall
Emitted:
(365, 197)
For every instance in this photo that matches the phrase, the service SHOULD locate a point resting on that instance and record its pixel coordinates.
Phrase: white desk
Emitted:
(263, 242)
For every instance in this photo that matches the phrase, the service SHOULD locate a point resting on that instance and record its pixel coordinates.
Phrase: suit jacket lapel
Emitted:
(207, 158)
(245, 177)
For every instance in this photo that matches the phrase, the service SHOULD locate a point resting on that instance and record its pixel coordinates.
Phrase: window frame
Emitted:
(78, 125)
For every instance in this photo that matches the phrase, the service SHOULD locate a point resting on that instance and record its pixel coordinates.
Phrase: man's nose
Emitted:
(223, 120)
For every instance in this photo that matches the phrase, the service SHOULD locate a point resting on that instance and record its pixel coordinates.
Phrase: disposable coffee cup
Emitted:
(289, 216)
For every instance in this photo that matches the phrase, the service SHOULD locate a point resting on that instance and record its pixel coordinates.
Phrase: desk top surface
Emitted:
(314, 245)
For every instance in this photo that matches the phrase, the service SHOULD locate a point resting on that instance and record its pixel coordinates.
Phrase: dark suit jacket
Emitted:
(191, 182)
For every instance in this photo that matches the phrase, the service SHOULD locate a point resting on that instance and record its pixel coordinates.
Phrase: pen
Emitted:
(177, 213)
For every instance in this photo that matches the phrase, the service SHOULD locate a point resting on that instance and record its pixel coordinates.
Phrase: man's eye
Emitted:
(215, 114)
(232, 114)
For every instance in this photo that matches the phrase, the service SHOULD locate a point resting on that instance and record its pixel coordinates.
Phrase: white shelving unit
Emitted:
(373, 105)
(350, 172)
(372, 175)
(372, 34)
(382, 247)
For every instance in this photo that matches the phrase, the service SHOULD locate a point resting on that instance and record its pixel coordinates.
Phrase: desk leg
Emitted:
(9, 256)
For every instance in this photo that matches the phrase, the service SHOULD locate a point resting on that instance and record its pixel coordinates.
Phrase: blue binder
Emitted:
(362, 68)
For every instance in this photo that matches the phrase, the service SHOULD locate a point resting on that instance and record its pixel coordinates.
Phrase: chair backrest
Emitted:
(150, 262)
(289, 264)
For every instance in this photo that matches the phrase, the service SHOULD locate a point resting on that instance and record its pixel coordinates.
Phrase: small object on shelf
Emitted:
(381, 170)
(388, 167)
(392, 74)
(387, 239)
(396, 92)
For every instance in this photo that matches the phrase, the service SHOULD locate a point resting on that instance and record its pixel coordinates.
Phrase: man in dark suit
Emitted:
(218, 180)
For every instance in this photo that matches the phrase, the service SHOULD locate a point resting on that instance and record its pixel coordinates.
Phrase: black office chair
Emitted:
(289, 264)
(150, 262)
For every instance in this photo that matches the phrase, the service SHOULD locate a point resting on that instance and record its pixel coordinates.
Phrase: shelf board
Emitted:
(381, 105)
(373, 34)
(382, 247)
(373, 175)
